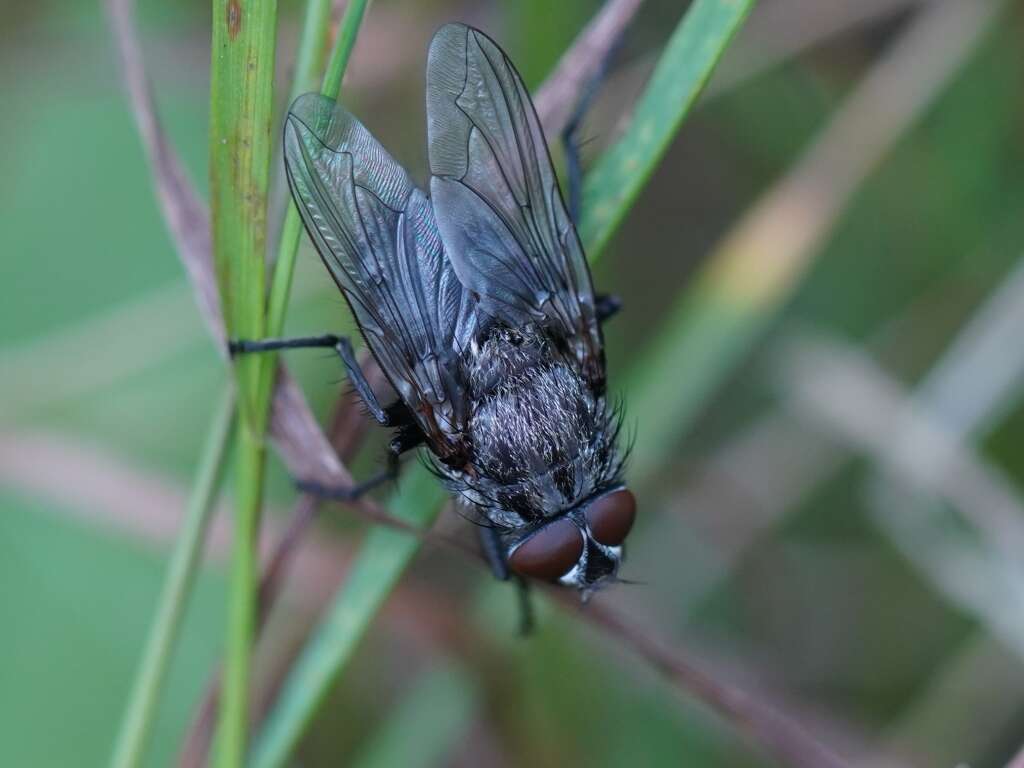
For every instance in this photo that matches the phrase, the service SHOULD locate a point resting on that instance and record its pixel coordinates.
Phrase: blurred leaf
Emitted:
(936, 205)
(383, 558)
(571, 706)
(759, 262)
(79, 601)
(165, 629)
(85, 263)
(432, 718)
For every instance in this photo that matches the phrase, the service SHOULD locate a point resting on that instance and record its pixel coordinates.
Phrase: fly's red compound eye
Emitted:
(549, 553)
(610, 517)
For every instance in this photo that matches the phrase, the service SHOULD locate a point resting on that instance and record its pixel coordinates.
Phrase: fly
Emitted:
(478, 305)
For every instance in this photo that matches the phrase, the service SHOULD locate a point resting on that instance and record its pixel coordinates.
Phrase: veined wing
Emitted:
(376, 234)
(497, 201)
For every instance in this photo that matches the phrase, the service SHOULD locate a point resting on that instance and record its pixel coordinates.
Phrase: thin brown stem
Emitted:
(781, 736)
(185, 213)
(557, 97)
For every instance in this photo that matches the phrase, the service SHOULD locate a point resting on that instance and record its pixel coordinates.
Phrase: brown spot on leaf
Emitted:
(234, 18)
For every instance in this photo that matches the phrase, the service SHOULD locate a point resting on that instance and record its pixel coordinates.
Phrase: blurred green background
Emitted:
(797, 561)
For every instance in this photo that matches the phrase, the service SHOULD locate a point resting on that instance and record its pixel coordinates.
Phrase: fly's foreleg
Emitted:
(396, 415)
(494, 554)
(409, 436)
(526, 622)
(352, 492)
(607, 306)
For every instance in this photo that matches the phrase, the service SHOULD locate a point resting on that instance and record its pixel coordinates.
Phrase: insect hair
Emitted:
(542, 444)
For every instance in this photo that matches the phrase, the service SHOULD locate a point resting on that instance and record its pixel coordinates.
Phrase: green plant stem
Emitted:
(256, 372)
(386, 553)
(232, 726)
(137, 722)
(348, 31)
(241, 101)
(291, 230)
(309, 58)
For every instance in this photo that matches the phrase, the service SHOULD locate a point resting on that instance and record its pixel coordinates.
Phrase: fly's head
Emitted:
(546, 475)
(581, 548)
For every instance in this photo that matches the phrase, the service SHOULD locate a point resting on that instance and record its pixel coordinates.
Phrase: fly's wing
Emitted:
(376, 234)
(497, 201)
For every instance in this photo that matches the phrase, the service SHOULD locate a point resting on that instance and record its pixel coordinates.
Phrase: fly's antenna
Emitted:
(606, 582)
(630, 582)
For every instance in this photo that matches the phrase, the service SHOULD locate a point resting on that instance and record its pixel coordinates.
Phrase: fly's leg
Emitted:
(570, 134)
(494, 553)
(409, 436)
(396, 415)
(349, 493)
(607, 306)
(244, 346)
(526, 623)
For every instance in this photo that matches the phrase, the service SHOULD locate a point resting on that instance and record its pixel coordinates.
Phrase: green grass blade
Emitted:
(426, 725)
(682, 71)
(181, 572)
(703, 34)
(241, 101)
(241, 98)
(309, 59)
(348, 31)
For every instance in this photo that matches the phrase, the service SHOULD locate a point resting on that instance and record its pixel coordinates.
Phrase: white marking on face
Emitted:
(571, 579)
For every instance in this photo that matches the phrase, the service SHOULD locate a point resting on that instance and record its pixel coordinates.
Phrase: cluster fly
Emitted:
(478, 305)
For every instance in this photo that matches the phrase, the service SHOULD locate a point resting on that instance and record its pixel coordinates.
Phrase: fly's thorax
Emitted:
(501, 356)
